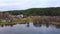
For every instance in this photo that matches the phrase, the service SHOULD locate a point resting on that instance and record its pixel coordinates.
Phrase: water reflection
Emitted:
(11, 25)
(57, 26)
(30, 28)
(37, 24)
(34, 24)
(46, 25)
(28, 25)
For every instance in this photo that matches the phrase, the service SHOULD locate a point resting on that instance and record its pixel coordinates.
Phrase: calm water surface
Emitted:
(30, 28)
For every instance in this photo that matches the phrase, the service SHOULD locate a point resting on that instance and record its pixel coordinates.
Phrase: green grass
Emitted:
(26, 20)
(16, 20)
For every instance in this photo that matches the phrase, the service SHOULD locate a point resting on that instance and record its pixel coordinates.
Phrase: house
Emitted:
(20, 16)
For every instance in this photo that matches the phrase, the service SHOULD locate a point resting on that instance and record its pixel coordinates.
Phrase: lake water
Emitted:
(30, 28)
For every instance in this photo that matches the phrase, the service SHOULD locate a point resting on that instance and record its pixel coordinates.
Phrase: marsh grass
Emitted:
(33, 19)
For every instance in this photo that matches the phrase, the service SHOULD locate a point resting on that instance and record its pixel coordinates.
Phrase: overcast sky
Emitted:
(25, 4)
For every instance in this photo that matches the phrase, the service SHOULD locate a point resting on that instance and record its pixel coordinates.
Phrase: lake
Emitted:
(30, 28)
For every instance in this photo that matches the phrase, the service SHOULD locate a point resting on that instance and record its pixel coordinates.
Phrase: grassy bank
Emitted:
(34, 19)
(16, 21)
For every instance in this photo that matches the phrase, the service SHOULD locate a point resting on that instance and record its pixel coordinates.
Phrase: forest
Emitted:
(51, 11)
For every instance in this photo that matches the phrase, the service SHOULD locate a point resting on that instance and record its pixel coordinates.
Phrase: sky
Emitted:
(25, 4)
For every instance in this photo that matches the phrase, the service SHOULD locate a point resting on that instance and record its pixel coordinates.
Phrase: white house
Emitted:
(20, 16)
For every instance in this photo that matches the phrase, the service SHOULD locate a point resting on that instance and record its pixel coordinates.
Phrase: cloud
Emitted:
(24, 4)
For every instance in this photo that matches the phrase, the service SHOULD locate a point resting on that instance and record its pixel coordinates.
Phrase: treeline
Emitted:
(53, 11)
